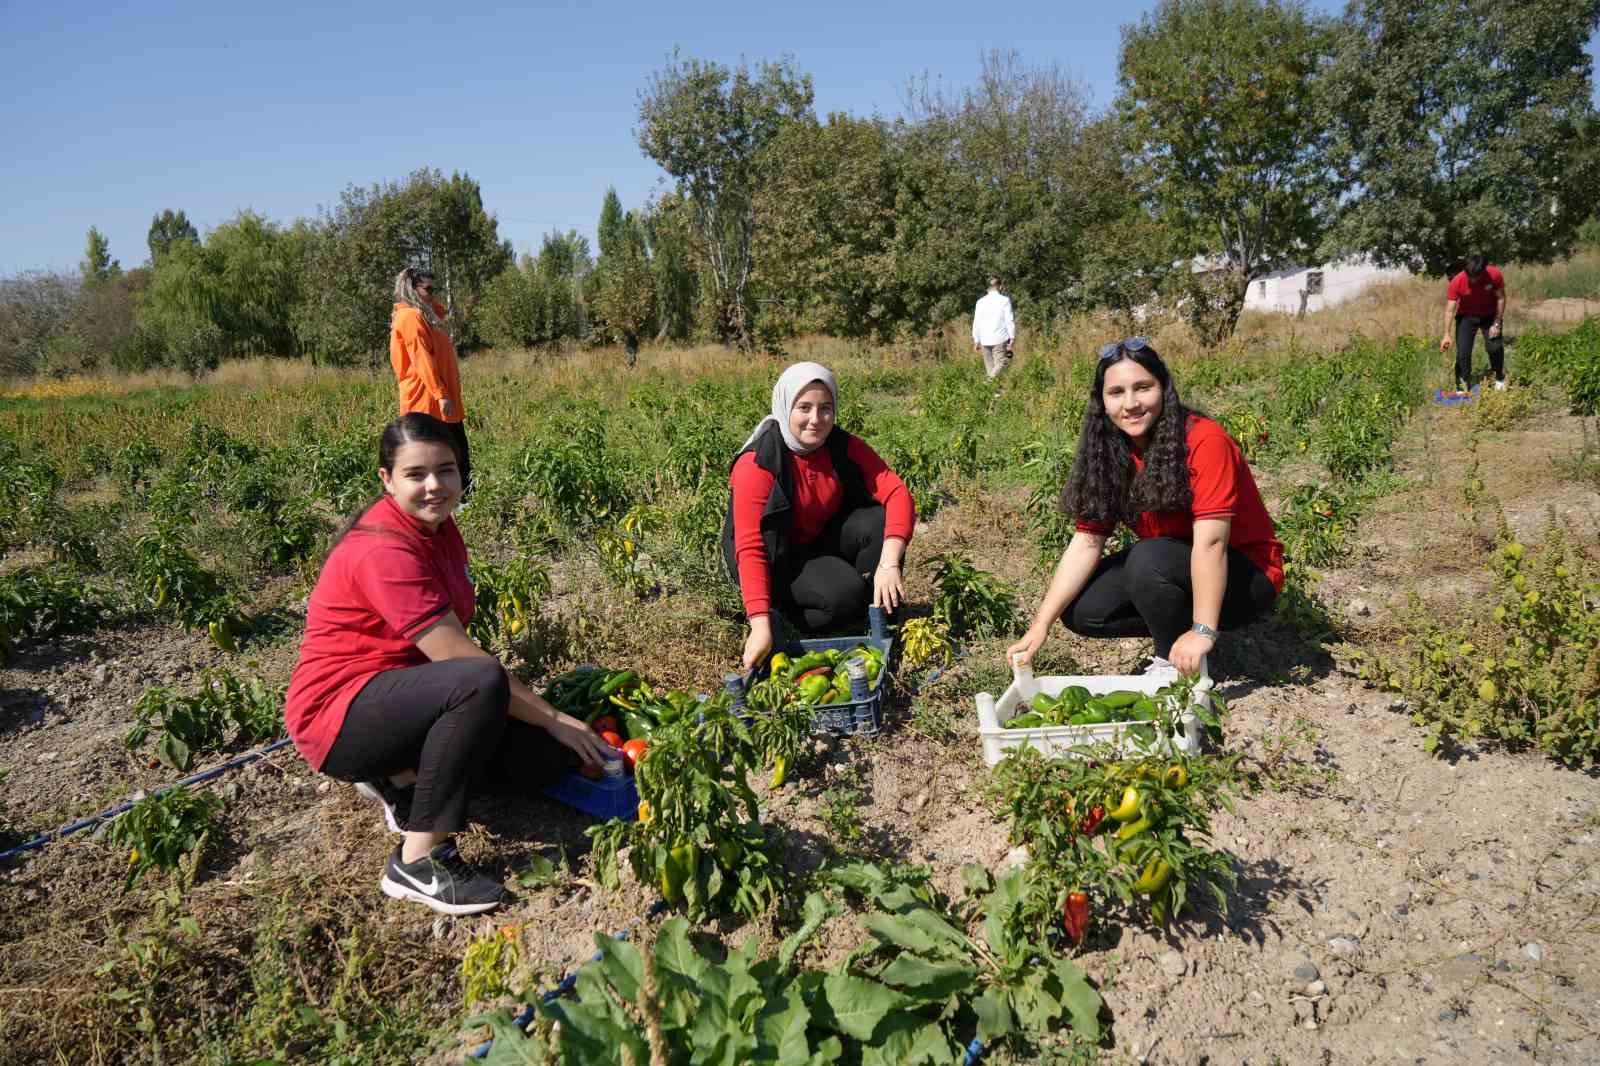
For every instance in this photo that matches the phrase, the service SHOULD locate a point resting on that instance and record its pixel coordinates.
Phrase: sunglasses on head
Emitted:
(1131, 344)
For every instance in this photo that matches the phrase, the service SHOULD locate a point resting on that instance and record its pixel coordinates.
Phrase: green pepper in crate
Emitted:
(1075, 696)
(1116, 701)
(1044, 704)
(812, 689)
(1029, 720)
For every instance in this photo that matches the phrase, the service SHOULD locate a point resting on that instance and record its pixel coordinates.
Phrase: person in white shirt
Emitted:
(993, 329)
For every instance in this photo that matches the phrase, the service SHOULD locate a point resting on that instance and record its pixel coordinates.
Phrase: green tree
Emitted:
(667, 224)
(516, 311)
(355, 250)
(613, 228)
(97, 264)
(627, 293)
(167, 229)
(1462, 126)
(1218, 103)
(705, 125)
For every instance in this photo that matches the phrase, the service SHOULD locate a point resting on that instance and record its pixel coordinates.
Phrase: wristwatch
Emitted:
(1204, 630)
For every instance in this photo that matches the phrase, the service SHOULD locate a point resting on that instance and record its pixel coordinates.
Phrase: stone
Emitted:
(1172, 964)
(1360, 608)
(1533, 951)
(1306, 971)
(101, 672)
(323, 787)
(1316, 988)
(1344, 945)
(1310, 1025)
(1305, 1011)
(1447, 1016)
(922, 799)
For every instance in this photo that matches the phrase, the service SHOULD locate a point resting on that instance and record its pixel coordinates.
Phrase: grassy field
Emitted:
(140, 512)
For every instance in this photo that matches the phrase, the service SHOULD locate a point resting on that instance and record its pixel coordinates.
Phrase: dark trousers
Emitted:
(1146, 590)
(828, 582)
(459, 431)
(447, 721)
(1467, 327)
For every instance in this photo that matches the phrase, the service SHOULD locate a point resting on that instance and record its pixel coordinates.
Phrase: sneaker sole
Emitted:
(377, 797)
(395, 890)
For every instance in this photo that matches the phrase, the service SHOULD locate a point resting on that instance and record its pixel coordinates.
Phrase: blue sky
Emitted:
(113, 112)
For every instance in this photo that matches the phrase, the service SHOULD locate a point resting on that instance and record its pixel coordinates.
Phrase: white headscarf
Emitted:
(791, 383)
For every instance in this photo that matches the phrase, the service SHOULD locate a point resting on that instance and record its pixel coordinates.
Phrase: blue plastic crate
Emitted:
(605, 798)
(858, 716)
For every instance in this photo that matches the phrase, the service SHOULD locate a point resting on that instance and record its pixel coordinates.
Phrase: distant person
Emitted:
(1476, 299)
(817, 522)
(993, 329)
(424, 360)
(389, 691)
(1207, 557)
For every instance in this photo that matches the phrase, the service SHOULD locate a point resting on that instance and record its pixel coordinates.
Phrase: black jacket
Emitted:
(777, 518)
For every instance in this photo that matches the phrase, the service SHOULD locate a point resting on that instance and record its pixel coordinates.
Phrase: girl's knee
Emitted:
(489, 687)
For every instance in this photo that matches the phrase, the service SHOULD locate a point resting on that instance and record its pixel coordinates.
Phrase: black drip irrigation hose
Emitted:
(121, 808)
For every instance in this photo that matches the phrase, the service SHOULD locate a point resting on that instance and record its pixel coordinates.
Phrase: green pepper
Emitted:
(1144, 709)
(1076, 695)
(1145, 734)
(678, 868)
(1030, 720)
(1044, 704)
(806, 662)
(813, 688)
(1154, 877)
(1117, 700)
(728, 855)
(640, 726)
(616, 682)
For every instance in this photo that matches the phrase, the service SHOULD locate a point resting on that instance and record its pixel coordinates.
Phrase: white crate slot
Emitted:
(1061, 739)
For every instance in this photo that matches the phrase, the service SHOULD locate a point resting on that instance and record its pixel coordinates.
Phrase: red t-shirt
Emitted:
(1223, 488)
(1480, 297)
(818, 495)
(389, 579)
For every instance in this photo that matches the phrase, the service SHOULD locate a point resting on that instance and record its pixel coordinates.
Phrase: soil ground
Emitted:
(1392, 906)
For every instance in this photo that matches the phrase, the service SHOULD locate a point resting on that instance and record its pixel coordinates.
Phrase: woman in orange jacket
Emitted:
(424, 359)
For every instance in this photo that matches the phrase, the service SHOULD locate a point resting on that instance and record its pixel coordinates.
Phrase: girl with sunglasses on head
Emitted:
(424, 360)
(1207, 557)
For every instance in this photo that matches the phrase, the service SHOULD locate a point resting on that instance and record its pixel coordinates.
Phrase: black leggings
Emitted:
(829, 580)
(1146, 590)
(1467, 327)
(447, 721)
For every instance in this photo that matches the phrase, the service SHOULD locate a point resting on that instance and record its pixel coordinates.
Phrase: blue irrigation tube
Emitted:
(525, 1015)
(95, 819)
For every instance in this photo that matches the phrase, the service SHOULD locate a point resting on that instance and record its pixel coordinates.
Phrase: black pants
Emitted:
(1146, 590)
(459, 431)
(447, 721)
(1467, 327)
(828, 582)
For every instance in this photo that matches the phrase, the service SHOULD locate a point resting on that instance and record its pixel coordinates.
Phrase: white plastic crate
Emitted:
(1060, 739)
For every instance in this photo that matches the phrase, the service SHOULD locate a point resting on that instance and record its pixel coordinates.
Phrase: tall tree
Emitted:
(627, 294)
(97, 264)
(1462, 126)
(705, 125)
(613, 229)
(1218, 103)
(168, 229)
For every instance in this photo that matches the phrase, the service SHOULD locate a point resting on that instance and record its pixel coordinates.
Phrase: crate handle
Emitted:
(1022, 677)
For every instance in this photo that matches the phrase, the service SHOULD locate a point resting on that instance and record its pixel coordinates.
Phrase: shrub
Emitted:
(163, 830)
(197, 724)
(37, 602)
(972, 602)
(1522, 668)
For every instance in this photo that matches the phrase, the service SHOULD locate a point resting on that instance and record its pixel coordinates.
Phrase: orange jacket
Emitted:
(424, 364)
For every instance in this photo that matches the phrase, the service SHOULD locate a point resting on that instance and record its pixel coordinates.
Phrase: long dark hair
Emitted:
(407, 429)
(1102, 487)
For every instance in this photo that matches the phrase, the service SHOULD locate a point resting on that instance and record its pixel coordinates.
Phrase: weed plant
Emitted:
(162, 831)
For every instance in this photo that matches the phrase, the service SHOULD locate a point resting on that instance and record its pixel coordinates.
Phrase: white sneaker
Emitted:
(1162, 669)
(1499, 386)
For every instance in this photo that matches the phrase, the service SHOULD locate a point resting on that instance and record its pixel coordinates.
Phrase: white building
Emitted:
(1297, 290)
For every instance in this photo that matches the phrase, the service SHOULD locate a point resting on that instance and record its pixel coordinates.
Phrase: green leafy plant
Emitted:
(37, 602)
(171, 579)
(970, 601)
(1315, 523)
(508, 596)
(166, 830)
(200, 723)
(1522, 668)
(489, 965)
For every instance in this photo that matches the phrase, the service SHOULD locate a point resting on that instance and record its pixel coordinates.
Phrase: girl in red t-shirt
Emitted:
(816, 521)
(1207, 557)
(392, 694)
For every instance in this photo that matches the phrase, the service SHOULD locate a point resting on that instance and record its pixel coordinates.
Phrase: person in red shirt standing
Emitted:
(1476, 299)
(816, 520)
(390, 692)
(1207, 557)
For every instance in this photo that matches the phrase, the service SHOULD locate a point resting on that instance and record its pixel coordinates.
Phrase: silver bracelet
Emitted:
(1204, 630)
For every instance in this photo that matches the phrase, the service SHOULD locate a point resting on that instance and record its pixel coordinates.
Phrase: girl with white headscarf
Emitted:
(818, 523)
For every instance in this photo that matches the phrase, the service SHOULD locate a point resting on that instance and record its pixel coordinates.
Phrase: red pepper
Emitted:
(1092, 822)
(824, 671)
(1075, 916)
